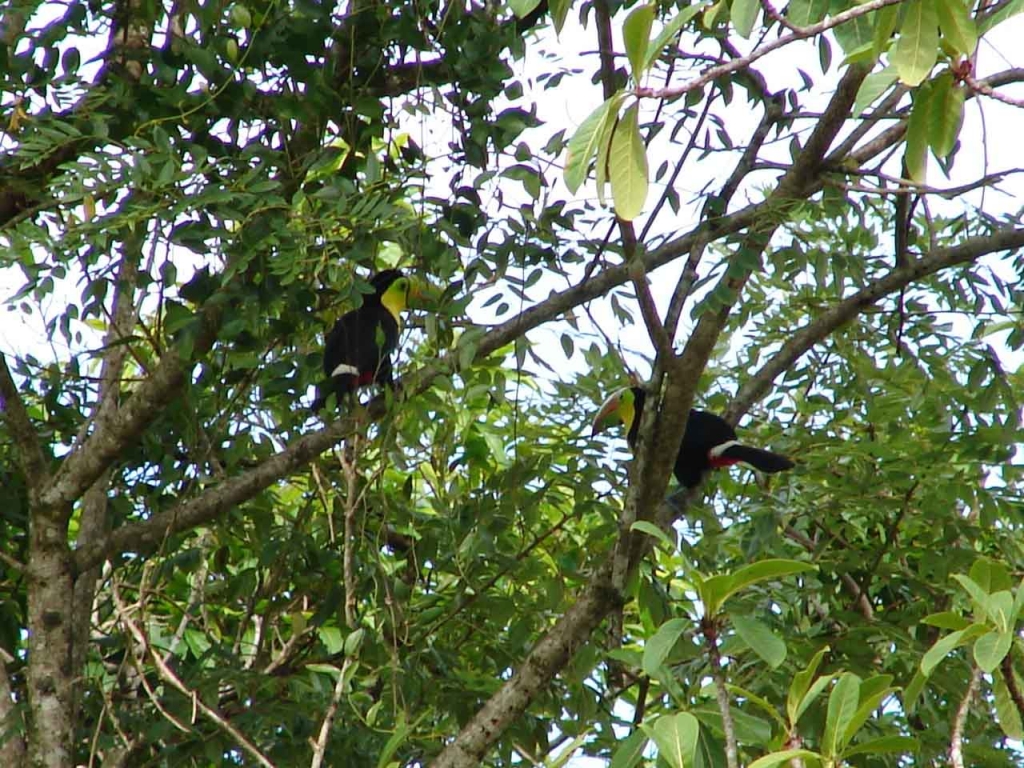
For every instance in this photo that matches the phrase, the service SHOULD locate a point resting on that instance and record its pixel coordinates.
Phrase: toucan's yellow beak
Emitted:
(608, 415)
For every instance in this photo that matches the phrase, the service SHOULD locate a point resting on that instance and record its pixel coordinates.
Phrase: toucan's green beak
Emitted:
(609, 414)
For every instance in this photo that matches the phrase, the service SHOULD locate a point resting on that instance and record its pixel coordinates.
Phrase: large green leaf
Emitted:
(1006, 710)
(669, 31)
(676, 737)
(717, 589)
(874, 85)
(631, 750)
(991, 648)
(800, 685)
(584, 144)
(946, 645)
(627, 166)
(915, 155)
(656, 649)
(636, 34)
(957, 26)
(760, 639)
(884, 745)
(842, 706)
(918, 44)
(783, 757)
(744, 15)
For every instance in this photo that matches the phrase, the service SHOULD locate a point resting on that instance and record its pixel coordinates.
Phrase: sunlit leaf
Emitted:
(918, 45)
(627, 166)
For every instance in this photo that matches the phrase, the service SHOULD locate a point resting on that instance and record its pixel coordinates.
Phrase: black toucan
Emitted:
(709, 441)
(358, 349)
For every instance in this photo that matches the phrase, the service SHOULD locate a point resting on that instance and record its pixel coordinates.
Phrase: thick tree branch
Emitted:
(85, 464)
(30, 452)
(147, 535)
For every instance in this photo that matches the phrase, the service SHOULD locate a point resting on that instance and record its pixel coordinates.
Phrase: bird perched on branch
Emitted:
(709, 441)
(357, 351)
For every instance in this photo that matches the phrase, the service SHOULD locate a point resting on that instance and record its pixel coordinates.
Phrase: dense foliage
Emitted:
(793, 227)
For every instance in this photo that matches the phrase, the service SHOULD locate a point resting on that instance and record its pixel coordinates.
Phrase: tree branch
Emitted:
(745, 61)
(30, 452)
(956, 755)
(824, 324)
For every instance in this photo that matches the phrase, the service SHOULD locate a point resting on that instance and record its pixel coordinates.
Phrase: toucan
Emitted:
(357, 351)
(709, 440)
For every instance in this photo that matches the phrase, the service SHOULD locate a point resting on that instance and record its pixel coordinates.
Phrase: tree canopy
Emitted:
(790, 216)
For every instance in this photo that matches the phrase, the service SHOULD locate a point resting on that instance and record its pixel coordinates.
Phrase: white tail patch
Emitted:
(718, 450)
(342, 368)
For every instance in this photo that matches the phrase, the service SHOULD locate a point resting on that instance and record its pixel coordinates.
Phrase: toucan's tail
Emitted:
(733, 452)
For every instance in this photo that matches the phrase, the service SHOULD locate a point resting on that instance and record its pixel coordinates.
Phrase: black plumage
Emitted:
(709, 441)
(357, 350)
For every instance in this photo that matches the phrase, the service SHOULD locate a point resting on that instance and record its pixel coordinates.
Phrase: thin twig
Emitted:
(710, 630)
(956, 755)
(348, 468)
(987, 90)
(745, 61)
(320, 745)
(172, 679)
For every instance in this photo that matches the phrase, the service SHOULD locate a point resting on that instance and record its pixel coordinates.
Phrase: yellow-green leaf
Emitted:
(957, 26)
(874, 85)
(947, 108)
(778, 758)
(842, 705)
(885, 25)
(669, 31)
(918, 45)
(627, 166)
(760, 639)
(583, 145)
(636, 34)
(559, 9)
(916, 154)
(676, 737)
(991, 648)
(1006, 710)
(744, 14)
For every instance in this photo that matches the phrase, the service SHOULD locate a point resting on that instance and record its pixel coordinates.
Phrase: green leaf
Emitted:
(991, 648)
(978, 594)
(801, 682)
(885, 24)
(957, 27)
(763, 704)
(874, 85)
(842, 705)
(583, 145)
(676, 738)
(779, 758)
(636, 34)
(760, 639)
(744, 14)
(627, 166)
(918, 44)
(989, 574)
(523, 8)
(946, 645)
(669, 31)
(716, 590)
(884, 745)
(946, 620)
(1000, 606)
(803, 13)
(872, 692)
(630, 751)
(657, 649)
(1006, 710)
(916, 154)
(654, 531)
(913, 690)
(812, 693)
(559, 10)
(947, 108)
